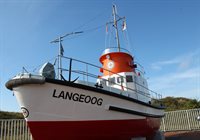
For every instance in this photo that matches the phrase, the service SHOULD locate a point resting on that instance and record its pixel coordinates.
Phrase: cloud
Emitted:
(160, 64)
(181, 62)
(176, 84)
(177, 76)
(183, 77)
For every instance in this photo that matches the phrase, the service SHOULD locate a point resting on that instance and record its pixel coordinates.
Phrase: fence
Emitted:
(181, 120)
(14, 130)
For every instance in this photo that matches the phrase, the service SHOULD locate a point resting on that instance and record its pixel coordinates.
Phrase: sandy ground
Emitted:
(182, 135)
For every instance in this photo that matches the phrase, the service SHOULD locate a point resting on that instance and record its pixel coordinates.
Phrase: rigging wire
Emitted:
(112, 36)
(108, 34)
(81, 27)
(91, 20)
(95, 28)
(86, 31)
(126, 39)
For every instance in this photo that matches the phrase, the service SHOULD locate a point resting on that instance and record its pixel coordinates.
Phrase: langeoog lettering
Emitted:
(77, 97)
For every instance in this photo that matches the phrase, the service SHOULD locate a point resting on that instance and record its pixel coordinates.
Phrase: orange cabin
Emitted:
(116, 62)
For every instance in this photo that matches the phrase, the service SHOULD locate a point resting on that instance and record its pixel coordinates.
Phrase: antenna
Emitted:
(116, 19)
(61, 50)
(115, 25)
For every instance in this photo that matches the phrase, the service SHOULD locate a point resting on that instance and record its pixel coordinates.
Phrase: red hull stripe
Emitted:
(93, 130)
(124, 110)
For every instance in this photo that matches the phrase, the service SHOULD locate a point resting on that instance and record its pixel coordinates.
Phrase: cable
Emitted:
(95, 28)
(89, 21)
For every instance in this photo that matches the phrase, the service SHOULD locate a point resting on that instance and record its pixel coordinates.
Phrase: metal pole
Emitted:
(60, 49)
(59, 60)
(116, 29)
(70, 69)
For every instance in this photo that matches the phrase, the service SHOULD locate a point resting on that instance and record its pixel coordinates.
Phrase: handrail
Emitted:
(95, 76)
(158, 96)
(153, 95)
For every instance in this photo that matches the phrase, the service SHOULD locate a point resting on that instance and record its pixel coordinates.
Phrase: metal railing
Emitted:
(181, 120)
(88, 72)
(15, 129)
(74, 69)
(115, 49)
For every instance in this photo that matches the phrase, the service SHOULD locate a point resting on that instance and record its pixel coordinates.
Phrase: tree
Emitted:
(180, 103)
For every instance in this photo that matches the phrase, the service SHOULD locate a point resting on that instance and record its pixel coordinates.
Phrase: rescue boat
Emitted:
(116, 105)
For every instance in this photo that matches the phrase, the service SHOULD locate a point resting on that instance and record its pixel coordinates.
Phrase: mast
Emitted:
(116, 28)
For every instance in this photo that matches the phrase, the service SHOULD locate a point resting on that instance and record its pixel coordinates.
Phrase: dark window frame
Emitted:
(111, 81)
(129, 78)
(120, 80)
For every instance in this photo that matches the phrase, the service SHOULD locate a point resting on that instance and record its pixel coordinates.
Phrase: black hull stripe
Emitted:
(101, 91)
(124, 110)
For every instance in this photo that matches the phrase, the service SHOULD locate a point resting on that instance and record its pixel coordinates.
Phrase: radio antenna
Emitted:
(61, 50)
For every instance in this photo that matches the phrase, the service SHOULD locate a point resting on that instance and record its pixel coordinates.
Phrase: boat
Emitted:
(116, 105)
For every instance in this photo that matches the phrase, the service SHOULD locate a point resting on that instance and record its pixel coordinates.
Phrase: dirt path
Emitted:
(182, 135)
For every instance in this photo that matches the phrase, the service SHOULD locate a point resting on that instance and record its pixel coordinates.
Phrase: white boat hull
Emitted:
(69, 110)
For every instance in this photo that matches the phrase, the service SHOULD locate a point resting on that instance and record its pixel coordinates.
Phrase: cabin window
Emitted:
(111, 81)
(103, 82)
(120, 79)
(129, 78)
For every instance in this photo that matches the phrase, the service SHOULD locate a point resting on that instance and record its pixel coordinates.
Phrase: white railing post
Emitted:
(188, 120)
(17, 126)
(163, 122)
(11, 129)
(1, 130)
(5, 130)
(14, 129)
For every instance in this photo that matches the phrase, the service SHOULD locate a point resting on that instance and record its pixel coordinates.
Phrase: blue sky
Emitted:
(164, 37)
